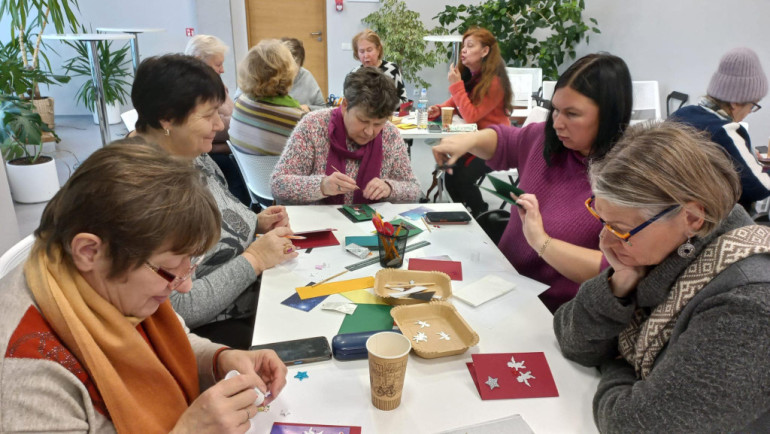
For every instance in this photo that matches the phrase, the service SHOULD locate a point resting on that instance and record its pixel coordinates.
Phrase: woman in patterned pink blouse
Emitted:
(349, 154)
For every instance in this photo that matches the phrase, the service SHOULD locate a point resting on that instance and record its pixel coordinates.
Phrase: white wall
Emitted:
(172, 15)
(679, 43)
(9, 226)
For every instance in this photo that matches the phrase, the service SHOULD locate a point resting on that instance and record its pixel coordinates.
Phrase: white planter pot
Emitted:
(113, 114)
(33, 183)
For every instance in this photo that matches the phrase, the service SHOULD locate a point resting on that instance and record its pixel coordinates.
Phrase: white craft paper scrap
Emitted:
(483, 290)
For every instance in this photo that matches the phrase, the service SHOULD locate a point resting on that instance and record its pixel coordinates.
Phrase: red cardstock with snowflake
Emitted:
(512, 375)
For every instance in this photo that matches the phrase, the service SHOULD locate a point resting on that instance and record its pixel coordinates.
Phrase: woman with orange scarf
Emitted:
(88, 338)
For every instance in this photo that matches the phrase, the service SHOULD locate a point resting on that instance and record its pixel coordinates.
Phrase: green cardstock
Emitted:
(503, 190)
(413, 230)
(359, 212)
(367, 318)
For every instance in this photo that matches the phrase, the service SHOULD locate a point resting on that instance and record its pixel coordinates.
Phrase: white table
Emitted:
(136, 31)
(438, 393)
(96, 73)
(424, 134)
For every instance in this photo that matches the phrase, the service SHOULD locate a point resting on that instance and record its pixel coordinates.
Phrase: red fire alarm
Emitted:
(339, 5)
(189, 31)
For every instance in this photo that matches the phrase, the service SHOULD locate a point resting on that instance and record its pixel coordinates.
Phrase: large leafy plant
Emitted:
(537, 33)
(114, 65)
(22, 128)
(15, 79)
(29, 19)
(401, 31)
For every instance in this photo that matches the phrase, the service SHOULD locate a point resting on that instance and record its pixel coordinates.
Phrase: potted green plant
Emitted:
(31, 176)
(402, 31)
(28, 21)
(538, 33)
(115, 68)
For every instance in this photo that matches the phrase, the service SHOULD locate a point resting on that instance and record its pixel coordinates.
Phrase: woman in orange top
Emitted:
(481, 93)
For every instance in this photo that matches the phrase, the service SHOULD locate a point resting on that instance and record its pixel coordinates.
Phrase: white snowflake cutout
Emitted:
(422, 324)
(420, 337)
(516, 365)
(524, 377)
(443, 336)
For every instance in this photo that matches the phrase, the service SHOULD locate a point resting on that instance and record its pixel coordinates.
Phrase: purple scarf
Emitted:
(369, 154)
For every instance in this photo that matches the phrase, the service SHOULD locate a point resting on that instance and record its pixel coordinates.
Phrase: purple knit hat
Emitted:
(739, 78)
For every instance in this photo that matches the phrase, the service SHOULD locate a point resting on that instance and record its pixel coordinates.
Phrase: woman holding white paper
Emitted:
(88, 339)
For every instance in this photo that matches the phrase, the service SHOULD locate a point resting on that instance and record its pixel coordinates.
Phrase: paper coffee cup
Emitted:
(446, 115)
(388, 354)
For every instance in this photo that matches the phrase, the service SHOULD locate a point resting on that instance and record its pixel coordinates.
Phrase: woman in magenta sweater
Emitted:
(481, 93)
(590, 109)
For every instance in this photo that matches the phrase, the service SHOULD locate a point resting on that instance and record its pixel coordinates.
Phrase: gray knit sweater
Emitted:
(223, 285)
(714, 374)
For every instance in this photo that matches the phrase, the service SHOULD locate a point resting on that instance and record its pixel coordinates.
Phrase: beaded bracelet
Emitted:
(542, 249)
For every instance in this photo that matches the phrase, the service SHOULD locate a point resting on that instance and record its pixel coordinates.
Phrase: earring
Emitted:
(687, 249)
(166, 131)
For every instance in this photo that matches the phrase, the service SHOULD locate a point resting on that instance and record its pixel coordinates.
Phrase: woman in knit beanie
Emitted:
(736, 87)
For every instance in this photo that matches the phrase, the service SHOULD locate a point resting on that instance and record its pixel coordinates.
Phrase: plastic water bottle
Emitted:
(422, 109)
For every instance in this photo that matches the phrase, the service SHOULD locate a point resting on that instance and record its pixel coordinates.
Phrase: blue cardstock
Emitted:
(307, 305)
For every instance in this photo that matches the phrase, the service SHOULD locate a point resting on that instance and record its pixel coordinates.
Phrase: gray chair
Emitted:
(256, 170)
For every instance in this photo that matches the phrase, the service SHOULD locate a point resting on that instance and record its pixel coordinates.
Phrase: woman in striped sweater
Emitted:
(265, 114)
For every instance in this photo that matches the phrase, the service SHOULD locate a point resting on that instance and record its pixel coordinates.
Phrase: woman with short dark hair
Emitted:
(349, 154)
(176, 98)
(590, 109)
(678, 325)
(88, 338)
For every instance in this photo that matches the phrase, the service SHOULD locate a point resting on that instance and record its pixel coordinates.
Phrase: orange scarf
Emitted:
(145, 390)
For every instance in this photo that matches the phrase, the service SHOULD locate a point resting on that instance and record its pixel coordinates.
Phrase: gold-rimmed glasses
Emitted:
(175, 280)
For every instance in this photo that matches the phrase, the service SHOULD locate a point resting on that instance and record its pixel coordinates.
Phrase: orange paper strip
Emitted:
(306, 292)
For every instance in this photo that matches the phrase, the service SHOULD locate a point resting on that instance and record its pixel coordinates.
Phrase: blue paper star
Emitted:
(301, 375)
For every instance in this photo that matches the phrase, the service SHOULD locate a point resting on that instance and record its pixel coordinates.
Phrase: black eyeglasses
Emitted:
(174, 280)
(755, 107)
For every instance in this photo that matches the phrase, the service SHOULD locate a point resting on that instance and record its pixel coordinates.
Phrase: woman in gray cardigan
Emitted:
(177, 98)
(678, 325)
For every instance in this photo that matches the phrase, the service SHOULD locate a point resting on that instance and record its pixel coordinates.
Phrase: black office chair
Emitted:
(494, 222)
(675, 96)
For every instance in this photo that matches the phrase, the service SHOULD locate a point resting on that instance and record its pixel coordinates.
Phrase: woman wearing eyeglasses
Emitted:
(552, 240)
(177, 98)
(733, 93)
(678, 325)
(88, 339)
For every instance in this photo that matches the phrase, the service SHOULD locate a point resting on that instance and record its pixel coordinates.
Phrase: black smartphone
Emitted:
(300, 351)
(448, 217)
(434, 128)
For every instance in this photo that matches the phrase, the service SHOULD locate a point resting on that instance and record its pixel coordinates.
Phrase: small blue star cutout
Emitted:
(301, 375)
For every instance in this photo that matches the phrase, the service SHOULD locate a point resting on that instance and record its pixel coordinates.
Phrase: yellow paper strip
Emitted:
(362, 296)
(306, 292)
